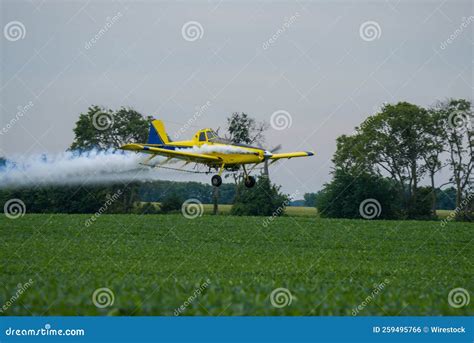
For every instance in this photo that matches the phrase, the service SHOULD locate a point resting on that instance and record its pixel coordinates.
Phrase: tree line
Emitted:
(386, 158)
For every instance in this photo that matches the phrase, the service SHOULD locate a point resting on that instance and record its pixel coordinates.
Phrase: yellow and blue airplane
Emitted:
(209, 149)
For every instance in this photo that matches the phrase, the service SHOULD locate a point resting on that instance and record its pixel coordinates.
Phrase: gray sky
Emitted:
(319, 67)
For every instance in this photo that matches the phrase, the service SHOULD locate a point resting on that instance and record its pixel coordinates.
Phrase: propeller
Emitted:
(267, 154)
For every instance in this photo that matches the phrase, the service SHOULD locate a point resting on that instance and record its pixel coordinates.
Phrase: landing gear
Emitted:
(216, 180)
(249, 181)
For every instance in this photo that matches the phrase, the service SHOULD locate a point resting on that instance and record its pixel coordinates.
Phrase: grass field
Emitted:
(153, 264)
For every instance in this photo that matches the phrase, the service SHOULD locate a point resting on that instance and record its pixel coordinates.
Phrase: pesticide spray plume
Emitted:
(91, 167)
(73, 168)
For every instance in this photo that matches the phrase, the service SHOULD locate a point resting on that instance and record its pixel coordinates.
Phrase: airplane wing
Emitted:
(180, 154)
(291, 155)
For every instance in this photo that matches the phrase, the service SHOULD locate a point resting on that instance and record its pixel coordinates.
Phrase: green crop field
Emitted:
(225, 265)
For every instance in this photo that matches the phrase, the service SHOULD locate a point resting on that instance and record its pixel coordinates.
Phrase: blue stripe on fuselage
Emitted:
(167, 147)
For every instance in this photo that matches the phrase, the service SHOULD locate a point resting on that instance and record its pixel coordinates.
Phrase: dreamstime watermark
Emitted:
(370, 31)
(453, 214)
(280, 210)
(377, 289)
(102, 120)
(192, 31)
(452, 37)
(281, 297)
(458, 297)
(109, 22)
(21, 288)
(192, 208)
(103, 297)
(460, 121)
(110, 200)
(14, 208)
(199, 112)
(14, 30)
(281, 120)
(197, 292)
(46, 331)
(370, 208)
(21, 111)
(288, 22)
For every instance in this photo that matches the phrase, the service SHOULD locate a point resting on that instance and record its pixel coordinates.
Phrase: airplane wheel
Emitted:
(216, 180)
(250, 182)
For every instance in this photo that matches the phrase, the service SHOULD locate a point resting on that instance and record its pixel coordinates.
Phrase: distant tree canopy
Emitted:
(69, 199)
(405, 143)
(157, 191)
(310, 199)
(446, 199)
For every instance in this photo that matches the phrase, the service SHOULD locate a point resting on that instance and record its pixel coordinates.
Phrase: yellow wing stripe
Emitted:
(292, 154)
(171, 153)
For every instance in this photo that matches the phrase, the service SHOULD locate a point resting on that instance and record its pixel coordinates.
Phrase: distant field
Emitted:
(290, 210)
(153, 264)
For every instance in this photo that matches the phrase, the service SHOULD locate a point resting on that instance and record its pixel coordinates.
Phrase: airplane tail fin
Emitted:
(157, 133)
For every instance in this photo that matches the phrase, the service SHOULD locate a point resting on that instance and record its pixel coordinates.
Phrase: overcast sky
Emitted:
(327, 64)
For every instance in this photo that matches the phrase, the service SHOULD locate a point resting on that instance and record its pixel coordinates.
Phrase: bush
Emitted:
(342, 197)
(147, 208)
(264, 199)
(171, 203)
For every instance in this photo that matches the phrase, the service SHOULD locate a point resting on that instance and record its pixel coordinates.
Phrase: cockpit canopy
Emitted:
(209, 135)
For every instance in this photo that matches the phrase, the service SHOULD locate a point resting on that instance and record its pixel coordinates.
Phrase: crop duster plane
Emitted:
(209, 149)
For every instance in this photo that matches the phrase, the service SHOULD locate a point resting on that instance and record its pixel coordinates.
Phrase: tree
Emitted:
(394, 142)
(351, 155)
(244, 129)
(456, 117)
(105, 129)
(264, 199)
(432, 159)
